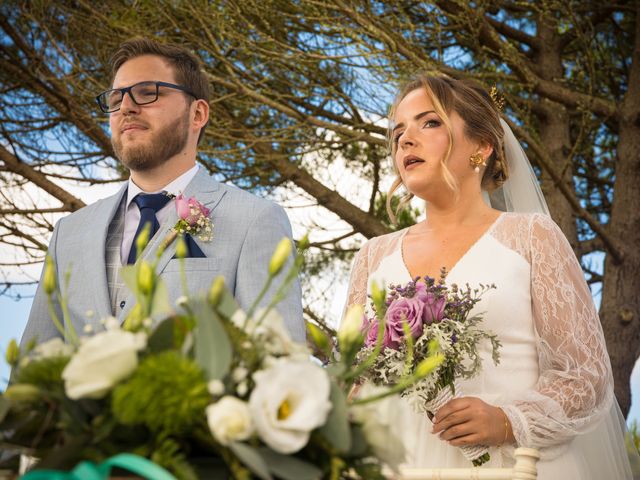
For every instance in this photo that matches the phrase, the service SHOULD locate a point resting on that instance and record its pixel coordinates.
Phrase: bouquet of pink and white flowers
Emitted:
(200, 389)
(416, 321)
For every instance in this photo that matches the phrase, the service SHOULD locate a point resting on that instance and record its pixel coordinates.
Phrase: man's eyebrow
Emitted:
(417, 117)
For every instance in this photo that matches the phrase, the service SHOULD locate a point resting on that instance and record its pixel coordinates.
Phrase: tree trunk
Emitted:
(620, 309)
(554, 132)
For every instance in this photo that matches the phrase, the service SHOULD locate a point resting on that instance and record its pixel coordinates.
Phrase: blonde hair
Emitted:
(482, 123)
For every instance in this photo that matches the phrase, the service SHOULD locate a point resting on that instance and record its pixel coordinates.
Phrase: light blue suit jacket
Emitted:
(245, 233)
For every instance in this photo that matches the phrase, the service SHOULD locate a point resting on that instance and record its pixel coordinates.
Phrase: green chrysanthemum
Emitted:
(45, 373)
(167, 393)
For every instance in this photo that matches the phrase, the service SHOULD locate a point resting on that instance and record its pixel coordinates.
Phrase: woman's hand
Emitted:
(470, 421)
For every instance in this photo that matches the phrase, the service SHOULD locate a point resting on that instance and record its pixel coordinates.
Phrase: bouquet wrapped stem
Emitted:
(477, 454)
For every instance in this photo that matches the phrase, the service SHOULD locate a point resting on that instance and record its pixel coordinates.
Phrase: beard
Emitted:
(157, 150)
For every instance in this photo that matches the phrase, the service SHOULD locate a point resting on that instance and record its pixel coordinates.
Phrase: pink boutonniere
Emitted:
(194, 218)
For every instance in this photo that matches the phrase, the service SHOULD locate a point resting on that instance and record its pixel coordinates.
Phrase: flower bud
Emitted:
(282, 252)
(181, 247)
(377, 294)
(319, 338)
(351, 328)
(22, 392)
(426, 366)
(143, 238)
(216, 291)
(379, 297)
(12, 355)
(49, 278)
(145, 278)
(303, 243)
(133, 322)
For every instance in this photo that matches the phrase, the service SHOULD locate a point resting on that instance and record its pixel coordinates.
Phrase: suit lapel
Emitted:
(207, 191)
(94, 252)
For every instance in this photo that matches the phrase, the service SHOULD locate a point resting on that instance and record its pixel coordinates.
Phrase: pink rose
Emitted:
(433, 305)
(370, 329)
(404, 309)
(190, 210)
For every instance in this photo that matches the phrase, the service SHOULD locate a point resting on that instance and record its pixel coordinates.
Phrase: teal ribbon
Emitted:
(90, 471)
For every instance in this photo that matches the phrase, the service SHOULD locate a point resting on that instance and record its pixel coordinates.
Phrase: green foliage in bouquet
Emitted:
(167, 382)
(198, 386)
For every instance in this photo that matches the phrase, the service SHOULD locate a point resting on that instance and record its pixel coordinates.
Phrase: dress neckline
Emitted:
(472, 247)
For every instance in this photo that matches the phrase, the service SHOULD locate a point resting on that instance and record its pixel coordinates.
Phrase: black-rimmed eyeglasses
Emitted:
(141, 93)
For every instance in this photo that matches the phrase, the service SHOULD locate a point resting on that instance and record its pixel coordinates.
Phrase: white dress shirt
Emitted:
(132, 212)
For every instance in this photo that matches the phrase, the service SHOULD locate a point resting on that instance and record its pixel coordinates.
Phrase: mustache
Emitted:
(136, 123)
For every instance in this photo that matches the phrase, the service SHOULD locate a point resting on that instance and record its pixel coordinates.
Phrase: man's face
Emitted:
(147, 136)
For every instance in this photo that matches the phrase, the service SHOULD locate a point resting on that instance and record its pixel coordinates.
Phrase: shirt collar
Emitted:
(176, 187)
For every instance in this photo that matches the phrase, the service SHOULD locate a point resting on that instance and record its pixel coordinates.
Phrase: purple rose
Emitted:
(404, 309)
(370, 329)
(433, 309)
(433, 305)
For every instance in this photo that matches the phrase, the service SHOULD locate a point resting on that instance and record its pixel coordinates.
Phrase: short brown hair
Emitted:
(186, 66)
(481, 119)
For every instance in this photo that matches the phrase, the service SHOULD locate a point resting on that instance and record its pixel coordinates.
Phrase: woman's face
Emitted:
(421, 140)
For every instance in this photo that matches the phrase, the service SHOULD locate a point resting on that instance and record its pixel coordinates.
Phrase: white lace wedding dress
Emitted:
(554, 378)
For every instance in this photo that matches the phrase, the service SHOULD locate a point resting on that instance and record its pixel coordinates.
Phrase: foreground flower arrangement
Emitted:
(203, 388)
(414, 322)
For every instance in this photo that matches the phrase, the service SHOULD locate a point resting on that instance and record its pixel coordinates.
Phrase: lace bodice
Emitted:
(570, 384)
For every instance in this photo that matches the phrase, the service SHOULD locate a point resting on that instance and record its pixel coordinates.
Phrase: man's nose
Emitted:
(128, 105)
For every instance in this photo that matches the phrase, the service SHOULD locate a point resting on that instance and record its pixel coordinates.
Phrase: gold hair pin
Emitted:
(498, 100)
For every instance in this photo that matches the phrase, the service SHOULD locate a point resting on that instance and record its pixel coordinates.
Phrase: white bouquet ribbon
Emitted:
(470, 452)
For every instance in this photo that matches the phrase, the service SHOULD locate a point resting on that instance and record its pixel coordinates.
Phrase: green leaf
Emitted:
(336, 369)
(160, 305)
(212, 346)
(163, 336)
(250, 457)
(286, 467)
(5, 405)
(359, 444)
(336, 429)
(228, 305)
(129, 276)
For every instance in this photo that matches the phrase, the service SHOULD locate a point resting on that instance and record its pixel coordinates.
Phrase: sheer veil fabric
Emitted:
(554, 380)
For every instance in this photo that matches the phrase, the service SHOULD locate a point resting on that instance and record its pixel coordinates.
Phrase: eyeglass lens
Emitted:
(141, 94)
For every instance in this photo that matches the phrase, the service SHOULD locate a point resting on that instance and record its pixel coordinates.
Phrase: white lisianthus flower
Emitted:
(289, 401)
(53, 348)
(101, 362)
(273, 332)
(378, 425)
(229, 420)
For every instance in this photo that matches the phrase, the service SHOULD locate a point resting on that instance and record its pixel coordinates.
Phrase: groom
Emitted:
(158, 109)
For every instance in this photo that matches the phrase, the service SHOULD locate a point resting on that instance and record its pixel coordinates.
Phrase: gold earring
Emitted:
(476, 159)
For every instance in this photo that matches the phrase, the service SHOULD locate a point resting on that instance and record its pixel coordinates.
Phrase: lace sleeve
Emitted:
(357, 293)
(575, 386)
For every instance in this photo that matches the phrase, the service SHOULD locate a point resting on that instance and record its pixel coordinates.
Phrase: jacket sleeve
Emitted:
(40, 326)
(269, 226)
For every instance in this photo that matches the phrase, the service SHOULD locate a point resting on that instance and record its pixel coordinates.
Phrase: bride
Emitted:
(553, 387)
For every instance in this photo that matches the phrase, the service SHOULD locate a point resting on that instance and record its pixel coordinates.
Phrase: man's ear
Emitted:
(200, 109)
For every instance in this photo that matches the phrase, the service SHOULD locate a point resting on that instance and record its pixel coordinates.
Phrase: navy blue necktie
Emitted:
(149, 204)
